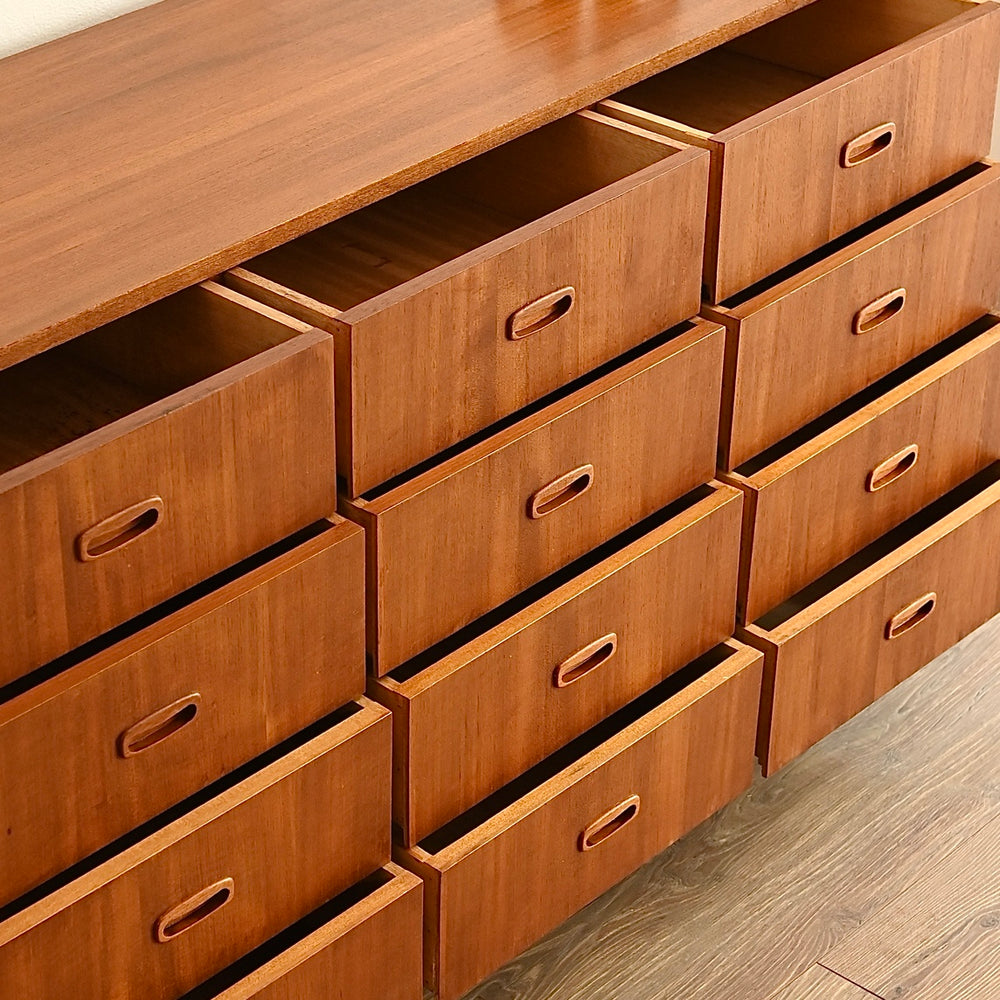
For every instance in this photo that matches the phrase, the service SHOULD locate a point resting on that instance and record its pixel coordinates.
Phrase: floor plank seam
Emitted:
(860, 986)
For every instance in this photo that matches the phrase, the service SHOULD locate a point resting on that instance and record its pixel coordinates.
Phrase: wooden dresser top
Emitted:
(157, 149)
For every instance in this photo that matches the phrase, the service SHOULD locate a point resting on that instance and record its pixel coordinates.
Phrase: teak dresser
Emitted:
(445, 445)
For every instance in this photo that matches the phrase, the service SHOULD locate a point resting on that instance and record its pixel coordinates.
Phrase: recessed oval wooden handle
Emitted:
(584, 661)
(911, 616)
(873, 315)
(609, 823)
(157, 726)
(868, 145)
(121, 529)
(540, 313)
(893, 468)
(560, 491)
(193, 910)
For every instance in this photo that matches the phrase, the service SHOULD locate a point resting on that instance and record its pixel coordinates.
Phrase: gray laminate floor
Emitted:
(869, 867)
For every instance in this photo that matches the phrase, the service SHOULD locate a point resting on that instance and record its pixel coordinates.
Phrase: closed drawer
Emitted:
(858, 631)
(149, 454)
(824, 118)
(509, 871)
(138, 720)
(469, 533)
(194, 891)
(363, 945)
(868, 465)
(607, 628)
(864, 306)
(468, 296)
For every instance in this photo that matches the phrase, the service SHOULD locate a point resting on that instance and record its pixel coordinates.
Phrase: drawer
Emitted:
(824, 118)
(507, 872)
(148, 455)
(133, 723)
(604, 630)
(363, 945)
(545, 489)
(466, 297)
(865, 467)
(198, 888)
(865, 305)
(892, 608)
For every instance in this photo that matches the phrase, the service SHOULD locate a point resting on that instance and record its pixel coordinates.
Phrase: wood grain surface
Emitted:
(368, 950)
(206, 131)
(941, 248)
(682, 760)
(812, 507)
(756, 896)
(909, 65)
(941, 938)
(419, 289)
(425, 558)
(290, 835)
(480, 716)
(220, 375)
(260, 667)
(819, 983)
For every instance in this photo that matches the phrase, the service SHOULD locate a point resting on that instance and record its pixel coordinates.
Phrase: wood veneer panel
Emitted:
(203, 132)
(259, 656)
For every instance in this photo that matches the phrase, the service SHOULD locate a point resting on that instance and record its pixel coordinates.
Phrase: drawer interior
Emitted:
(101, 376)
(880, 548)
(574, 751)
(867, 395)
(726, 85)
(438, 220)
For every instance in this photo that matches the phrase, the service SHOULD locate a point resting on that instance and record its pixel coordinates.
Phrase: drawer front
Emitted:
(194, 496)
(632, 263)
(499, 705)
(830, 498)
(369, 951)
(768, 217)
(136, 727)
(498, 890)
(550, 488)
(814, 687)
(796, 351)
(302, 835)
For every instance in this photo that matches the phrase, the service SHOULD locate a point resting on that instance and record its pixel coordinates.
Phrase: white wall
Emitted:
(24, 23)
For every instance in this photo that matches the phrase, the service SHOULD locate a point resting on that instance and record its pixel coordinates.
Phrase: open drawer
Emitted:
(555, 661)
(810, 337)
(847, 478)
(132, 723)
(149, 454)
(364, 944)
(183, 897)
(871, 622)
(505, 873)
(462, 299)
(824, 118)
(462, 536)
